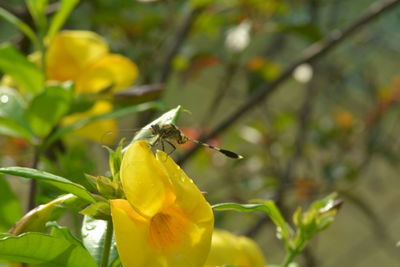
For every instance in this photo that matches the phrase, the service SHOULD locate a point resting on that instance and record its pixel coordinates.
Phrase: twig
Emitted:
(311, 54)
(33, 183)
(286, 175)
(303, 123)
(178, 41)
(365, 245)
(180, 36)
(223, 88)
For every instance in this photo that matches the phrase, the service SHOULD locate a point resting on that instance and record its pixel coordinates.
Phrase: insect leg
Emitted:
(172, 145)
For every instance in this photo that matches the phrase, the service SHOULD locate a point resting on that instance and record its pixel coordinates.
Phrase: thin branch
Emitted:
(311, 54)
(180, 36)
(224, 85)
(302, 127)
(367, 246)
(286, 176)
(33, 182)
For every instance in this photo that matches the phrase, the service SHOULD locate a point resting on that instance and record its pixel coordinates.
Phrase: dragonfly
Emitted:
(171, 133)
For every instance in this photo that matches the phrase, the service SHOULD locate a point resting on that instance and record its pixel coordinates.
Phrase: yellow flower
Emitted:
(95, 131)
(83, 57)
(165, 220)
(230, 249)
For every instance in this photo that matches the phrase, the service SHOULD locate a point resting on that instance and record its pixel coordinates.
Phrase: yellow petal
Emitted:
(180, 221)
(252, 254)
(145, 182)
(71, 52)
(229, 249)
(197, 209)
(195, 245)
(115, 71)
(131, 234)
(95, 131)
(168, 239)
(179, 241)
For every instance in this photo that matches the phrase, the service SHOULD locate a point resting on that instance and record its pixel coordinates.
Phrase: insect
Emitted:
(170, 133)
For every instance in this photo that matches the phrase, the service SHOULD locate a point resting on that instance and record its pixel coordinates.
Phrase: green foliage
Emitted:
(167, 118)
(22, 26)
(35, 220)
(108, 188)
(299, 133)
(268, 207)
(54, 180)
(25, 73)
(93, 235)
(10, 208)
(63, 130)
(63, 232)
(114, 160)
(61, 16)
(46, 250)
(42, 121)
(99, 211)
(318, 217)
(37, 8)
(13, 114)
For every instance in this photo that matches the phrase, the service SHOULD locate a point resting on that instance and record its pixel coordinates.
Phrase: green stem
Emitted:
(32, 182)
(292, 253)
(289, 258)
(41, 47)
(107, 244)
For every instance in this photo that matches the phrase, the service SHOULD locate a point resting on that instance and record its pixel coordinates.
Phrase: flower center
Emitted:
(167, 230)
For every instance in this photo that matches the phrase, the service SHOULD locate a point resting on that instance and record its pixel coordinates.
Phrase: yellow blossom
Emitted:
(95, 131)
(83, 57)
(229, 249)
(165, 220)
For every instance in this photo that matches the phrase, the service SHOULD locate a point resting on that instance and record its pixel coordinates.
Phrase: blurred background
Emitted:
(308, 122)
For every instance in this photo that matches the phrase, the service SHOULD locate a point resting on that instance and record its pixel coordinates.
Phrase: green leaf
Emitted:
(269, 208)
(12, 114)
(61, 16)
(63, 232)
(99, 210)
(46, 250)
(22, 26)
(48, 107)
(168, 117)
(112, 115)
(36, 219)
(25, 73)
(115, 159)
(57, 181)
(37, 8)
(10, 208)
(318, 217)
(93, 234)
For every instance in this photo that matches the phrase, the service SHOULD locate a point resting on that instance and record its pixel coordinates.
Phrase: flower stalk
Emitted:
(107, 244)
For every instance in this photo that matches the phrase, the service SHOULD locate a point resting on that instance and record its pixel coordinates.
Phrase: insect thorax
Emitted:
(169, 132)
